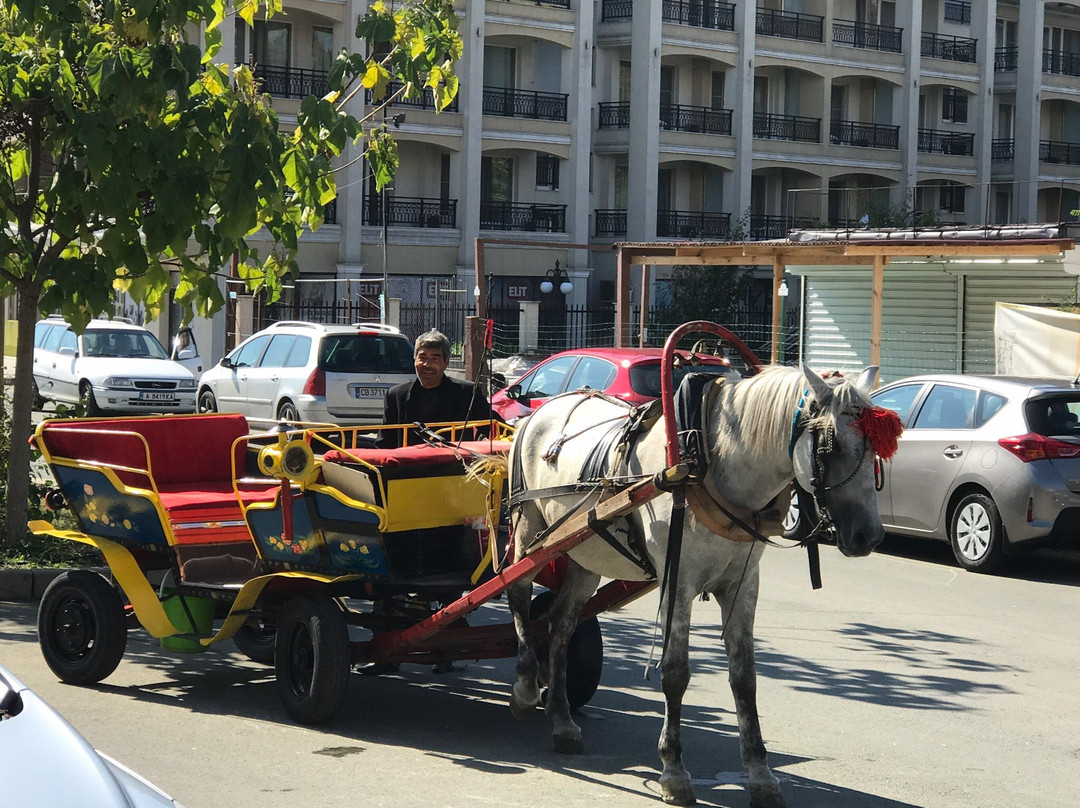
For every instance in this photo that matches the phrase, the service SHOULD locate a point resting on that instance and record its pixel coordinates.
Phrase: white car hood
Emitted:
(97, 368)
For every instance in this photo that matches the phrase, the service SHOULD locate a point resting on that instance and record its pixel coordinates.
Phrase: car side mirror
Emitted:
(226, 362)
(513, 392)
(68, 352)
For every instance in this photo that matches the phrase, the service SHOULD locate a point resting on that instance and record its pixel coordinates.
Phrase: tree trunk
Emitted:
(18, 482)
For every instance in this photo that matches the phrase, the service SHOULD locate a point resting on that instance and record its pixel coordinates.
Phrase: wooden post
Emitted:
(622, 300)
(474, 347)
(643, 320)
(777, 279)
(875, 309)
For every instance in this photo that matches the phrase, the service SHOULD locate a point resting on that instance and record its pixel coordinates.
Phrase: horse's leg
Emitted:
(526, 692)
(575, 590)
(674, 679)
(738, 600)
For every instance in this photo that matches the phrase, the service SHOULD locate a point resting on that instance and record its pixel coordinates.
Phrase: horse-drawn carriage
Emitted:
(284, 540)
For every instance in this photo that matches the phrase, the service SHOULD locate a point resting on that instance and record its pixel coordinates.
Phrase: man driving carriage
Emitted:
(433, 397)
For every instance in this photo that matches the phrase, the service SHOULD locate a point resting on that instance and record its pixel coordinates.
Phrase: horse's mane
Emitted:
(768, 400)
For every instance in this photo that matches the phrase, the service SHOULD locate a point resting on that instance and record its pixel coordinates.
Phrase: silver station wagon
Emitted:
(990, 464)
(311, 373)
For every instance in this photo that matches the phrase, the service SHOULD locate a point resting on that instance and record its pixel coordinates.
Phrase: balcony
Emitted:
(700, 14)
(951, 48)
(410, 211)
(556, 3)
(510, 103)
(1056, 151)
(790, 25)
(669, 223)
(764, 227)
(291, 82)
(425, 100)
(610, 222)
(787, 127)
(1006, 59)
(958, 11)
(935, 141)
(869, 135)
(616, 10)
(522, 216)
(863, 35)
(1002, 149)
(694, 119)
(1061, 63)
(688, 224)
(614, 116)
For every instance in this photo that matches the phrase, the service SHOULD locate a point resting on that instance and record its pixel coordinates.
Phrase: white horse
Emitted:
(762, 432)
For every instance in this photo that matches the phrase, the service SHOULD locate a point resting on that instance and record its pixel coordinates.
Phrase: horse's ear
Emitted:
(820, 388)
(867, 378)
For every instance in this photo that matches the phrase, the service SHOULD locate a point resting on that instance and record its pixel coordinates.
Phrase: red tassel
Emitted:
(882, 428)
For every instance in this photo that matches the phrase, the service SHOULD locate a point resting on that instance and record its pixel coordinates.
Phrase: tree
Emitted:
(130, 161)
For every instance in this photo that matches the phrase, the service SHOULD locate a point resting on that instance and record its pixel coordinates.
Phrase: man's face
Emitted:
(430, 366)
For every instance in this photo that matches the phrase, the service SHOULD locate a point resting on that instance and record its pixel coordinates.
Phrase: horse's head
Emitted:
(834, 456)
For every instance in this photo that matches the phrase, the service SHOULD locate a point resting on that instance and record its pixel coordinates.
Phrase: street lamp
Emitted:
(556, 275)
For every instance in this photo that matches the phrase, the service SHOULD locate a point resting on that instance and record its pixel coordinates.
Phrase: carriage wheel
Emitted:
(81, 627)
(311, 658)
(584, 656)
(256, 640)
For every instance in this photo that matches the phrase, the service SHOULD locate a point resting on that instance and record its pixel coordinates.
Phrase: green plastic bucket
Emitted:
(201, 610)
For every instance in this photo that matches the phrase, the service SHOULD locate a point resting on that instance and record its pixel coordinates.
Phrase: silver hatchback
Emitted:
(990, 464)
(311, 373)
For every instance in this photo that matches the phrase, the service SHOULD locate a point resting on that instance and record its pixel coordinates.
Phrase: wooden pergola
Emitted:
(781, 254)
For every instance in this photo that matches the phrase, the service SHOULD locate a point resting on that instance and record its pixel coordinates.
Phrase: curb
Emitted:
(28, 585)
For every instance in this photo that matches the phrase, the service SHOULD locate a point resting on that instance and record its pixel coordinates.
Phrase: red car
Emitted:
(632, 374)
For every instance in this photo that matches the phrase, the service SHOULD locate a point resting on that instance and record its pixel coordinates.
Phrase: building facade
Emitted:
(585, 123)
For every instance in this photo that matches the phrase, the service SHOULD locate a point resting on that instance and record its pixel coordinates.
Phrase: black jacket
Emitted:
(451, 401)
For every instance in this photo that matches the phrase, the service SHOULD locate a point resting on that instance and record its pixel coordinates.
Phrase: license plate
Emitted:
(157, 397)
(369, 392)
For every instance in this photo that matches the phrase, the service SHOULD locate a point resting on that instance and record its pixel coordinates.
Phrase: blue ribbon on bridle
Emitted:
(795, 419)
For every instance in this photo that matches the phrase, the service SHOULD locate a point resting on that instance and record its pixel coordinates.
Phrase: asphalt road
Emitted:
(904, 682)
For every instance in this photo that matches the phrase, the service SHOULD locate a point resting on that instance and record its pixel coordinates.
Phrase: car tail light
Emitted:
(1034, 446)
(316, 383)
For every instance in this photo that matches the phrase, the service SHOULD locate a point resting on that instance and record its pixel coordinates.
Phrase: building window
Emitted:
(954, 105)
(497, 179)
(271, 44)
(952, 198)
(547, 171)
(444, 177)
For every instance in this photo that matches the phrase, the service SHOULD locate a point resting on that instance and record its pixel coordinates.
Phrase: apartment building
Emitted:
(584, 122)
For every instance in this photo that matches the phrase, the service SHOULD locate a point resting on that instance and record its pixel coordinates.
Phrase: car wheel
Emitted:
(256, 639)
(286, 411)
(207, 402)
(311, 658)
(790, 523)
(37, 402)
(81, 627)
(86, 398)
(976, 533)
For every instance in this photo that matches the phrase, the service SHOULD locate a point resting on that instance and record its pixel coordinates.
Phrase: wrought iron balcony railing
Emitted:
(616, 10)
(952, 48)
(522, 216)
(936, 141)
(1056, 151)
(1002, 149)
(1061, 63)
(787, 127)
(790, 25)
(614, 115)
(695, 119)
(410, 211)
(1006, 59)
(957, 11)
(864, 35)
(870, 135)
(291, 82)
(610, 222)
(689, 224)
(768, 227)
(425, 100)
(511, 103)
(700, 14)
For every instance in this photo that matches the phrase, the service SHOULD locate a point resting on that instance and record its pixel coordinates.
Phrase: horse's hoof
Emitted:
(522, 712)
(676, 790)
(569, 745)
(762, 796)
